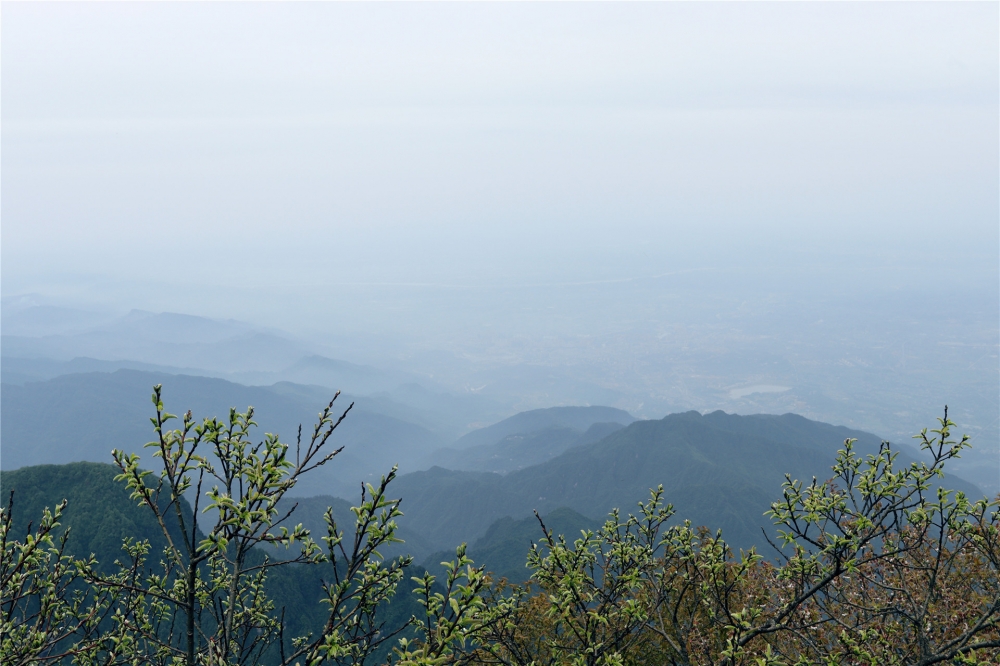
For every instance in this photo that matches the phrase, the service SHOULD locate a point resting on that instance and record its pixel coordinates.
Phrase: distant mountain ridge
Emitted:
(23, 362)
(81, 417)
(579, 418)
(720, 470)
(166, 339)
(16, 370)
(521, 450)
(41, 349)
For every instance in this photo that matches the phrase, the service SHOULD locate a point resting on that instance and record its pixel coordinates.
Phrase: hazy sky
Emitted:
(183, 156)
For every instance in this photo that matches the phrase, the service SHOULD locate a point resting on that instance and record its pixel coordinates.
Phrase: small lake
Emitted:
(757, 388)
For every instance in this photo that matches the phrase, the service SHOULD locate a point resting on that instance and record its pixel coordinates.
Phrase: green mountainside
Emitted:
(504, 547)
(99, 514)
(309, 511)
(719, 470)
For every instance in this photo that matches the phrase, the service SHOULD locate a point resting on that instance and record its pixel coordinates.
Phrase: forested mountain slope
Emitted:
(503, 549)
(100, 514)
(719, 470)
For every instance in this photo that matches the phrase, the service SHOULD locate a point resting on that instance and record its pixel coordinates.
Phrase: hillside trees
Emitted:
(205, 601)
(891, 565)
(42, 602)
(879, 564)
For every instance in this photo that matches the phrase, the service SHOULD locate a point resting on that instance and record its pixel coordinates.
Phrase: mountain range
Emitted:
(719, 470)
(83, 416)
(451, 394)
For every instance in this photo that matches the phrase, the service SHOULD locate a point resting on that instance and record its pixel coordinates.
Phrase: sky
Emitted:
(177, 153)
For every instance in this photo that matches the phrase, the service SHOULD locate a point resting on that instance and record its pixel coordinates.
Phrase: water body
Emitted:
(736, 394)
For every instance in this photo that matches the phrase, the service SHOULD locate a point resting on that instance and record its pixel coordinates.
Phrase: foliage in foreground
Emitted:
(877, 565)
